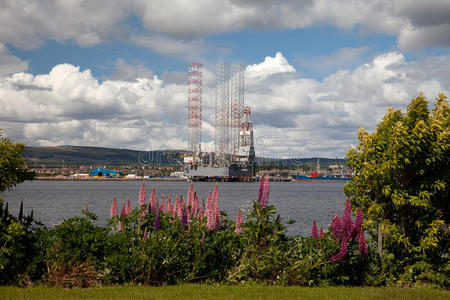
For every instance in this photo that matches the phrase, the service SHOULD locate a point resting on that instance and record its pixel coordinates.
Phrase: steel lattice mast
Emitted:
(194, 108)
(222, 107)
(237, 105)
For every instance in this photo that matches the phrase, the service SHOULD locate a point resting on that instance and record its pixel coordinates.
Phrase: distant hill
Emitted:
(79, 155)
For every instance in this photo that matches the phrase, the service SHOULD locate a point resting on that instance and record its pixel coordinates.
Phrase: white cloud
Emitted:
(292, 116)
(171, 27)
(270, 66)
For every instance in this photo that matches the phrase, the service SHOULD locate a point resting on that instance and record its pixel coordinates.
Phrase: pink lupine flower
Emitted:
(200, 213)
(265, 196)
(142, 202)
(113, 210)
(194, 208)
(128, 208)
(144, 238)
(190, 197)
(238, 222)
(180, 207)
(123, 211)
(336, 225)
(261, 188)
(278, 219)
(211, 216)
(142, 195)
(321, 233)
(362, 245)
(347, 222)
(163, 205)
(358, 220)
(153, 201)
(314, 230)
(209, 201)
(342, 252)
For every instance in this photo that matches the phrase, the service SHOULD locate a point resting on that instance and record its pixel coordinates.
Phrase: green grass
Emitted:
(223, 292)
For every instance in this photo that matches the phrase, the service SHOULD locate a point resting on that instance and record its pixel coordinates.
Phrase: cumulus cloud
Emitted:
(293, 117)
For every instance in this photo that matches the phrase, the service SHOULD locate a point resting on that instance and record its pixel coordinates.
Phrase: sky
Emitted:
(112, 73)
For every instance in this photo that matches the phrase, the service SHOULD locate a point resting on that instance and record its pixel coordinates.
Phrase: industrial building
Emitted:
(102, 172)
(234, 153)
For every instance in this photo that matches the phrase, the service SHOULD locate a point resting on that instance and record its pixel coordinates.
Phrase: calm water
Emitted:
(53, 201)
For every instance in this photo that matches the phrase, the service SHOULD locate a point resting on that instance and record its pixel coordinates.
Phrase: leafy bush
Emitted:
(22, 251)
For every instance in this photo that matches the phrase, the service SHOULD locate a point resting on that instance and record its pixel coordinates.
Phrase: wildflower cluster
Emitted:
(345, 231)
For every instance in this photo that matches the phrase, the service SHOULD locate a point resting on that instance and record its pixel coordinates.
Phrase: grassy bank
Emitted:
(223, 292)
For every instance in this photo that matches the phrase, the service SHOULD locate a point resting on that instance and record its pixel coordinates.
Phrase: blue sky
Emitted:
(113, 73)
(246, 47)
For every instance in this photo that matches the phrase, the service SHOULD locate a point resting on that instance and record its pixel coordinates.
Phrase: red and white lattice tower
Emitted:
(194, 108)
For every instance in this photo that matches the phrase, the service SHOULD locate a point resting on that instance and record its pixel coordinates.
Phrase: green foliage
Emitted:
(75, 251)
(21, 250)
(12, 165)
(401, 182)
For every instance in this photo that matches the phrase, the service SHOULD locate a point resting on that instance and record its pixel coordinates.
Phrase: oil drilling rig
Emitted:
(233, 158)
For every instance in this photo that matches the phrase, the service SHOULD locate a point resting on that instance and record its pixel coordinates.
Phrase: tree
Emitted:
(12, 165)
(401, 181)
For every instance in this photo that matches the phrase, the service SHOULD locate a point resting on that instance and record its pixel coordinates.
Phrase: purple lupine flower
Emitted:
(321, 233)
(358, 221)
(153, 201)
(113, 210)
(362, 245)
(238, 222)
(261, 188)
(157, 222)
(184, 220)
(128, 208)
(314, 230)
(142, 195)
(342, 252)
(123, 211)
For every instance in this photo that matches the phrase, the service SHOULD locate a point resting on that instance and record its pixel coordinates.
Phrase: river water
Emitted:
(53, 201)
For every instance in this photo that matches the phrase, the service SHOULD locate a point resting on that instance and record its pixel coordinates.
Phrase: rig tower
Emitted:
(194, 109)
(222, 110)
(237, 106)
